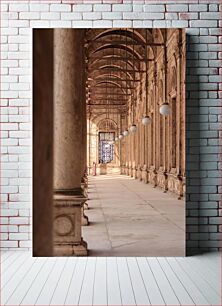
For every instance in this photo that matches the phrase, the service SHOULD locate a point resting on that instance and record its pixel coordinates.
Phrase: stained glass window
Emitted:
(106, 148)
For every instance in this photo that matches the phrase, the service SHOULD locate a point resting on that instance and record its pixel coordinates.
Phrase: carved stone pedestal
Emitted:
(144, 174)
(134, 171)
(162, 179)
(67, 224)
(139, 173)
(153, 177)
(84, 218)
(176, 184)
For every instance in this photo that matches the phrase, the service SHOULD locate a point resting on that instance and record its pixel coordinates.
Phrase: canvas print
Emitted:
(109, 142)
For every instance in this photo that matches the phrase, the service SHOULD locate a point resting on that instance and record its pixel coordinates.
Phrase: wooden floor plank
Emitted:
(86, 294)
(190, 286)
(17, 278)
(126, 289)
(208, 292)
(110, 281)
(212, 261)
(152, 288)
(36, 287)
(10, 262)
(113, 286)
(100, 284)
(165, 288)
(5, 255)
(180, 291)
(62, 287)
(47, 291)
(75, 286)
(139, 288)
(213, 279)
(13, 269)
(22, 288)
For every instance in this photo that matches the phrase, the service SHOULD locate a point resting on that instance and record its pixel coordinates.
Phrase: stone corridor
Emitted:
(129, 218)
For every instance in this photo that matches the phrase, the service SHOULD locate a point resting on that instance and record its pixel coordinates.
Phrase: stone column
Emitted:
(43, 142)
(84, 179)
(68, 145)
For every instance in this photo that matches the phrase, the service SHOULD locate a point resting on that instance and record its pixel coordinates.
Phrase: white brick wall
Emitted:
(200, 17)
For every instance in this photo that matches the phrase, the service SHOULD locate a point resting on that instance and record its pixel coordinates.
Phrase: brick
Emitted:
(208, 212)
(215, 236)
(4, 220)
(102, 7)
(24, 229)
(18, 236)
(8, 228)
(19, 7)
(18, 220)
(19, 118)
(180, 23)
(203, 23)
(60, 24)
(121, 7)
(171, 16)
(18, 23)
(9, 31)
(71, 16)
(122, 23)
(82, 24)
(148, 23)
(112, 15)
(9, 173)
(9, 212)
(135, 15)
(24, 213)
(9, 244)
(92, 15)
(208, 15)
(19, 102)
(138, 7)
(60, 7)
(83, 8)
(9, 142)
(29, 15)
(39, 24)
(177, 8)
(154, 8)
(39, 7)
(25, 244)
(51, 16)
(197, 7)
(187, 16)
(18, 150)
(102, 23)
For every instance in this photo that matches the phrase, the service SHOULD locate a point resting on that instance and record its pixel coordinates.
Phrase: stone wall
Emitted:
(202, 20)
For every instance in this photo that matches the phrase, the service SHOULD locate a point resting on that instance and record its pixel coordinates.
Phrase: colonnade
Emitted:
(69, 142)
(156, 153)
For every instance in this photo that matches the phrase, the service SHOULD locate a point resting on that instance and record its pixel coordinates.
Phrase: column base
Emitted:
(86, 206)
(84, 218)
(67, 223)
(79, 249)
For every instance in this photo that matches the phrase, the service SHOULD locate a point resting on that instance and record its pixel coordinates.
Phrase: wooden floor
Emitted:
(110, 281)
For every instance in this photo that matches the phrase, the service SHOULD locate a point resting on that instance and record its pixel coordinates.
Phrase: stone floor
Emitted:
(130, 218)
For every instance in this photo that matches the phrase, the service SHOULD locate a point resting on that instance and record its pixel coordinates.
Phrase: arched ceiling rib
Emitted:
(115, 62)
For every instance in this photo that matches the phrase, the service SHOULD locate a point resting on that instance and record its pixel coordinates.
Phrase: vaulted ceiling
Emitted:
(115, 62)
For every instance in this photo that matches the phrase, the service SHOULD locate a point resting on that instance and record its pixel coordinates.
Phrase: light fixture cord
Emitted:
(133, 74)
(126, 63)
(146, 75)
(165, 60)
